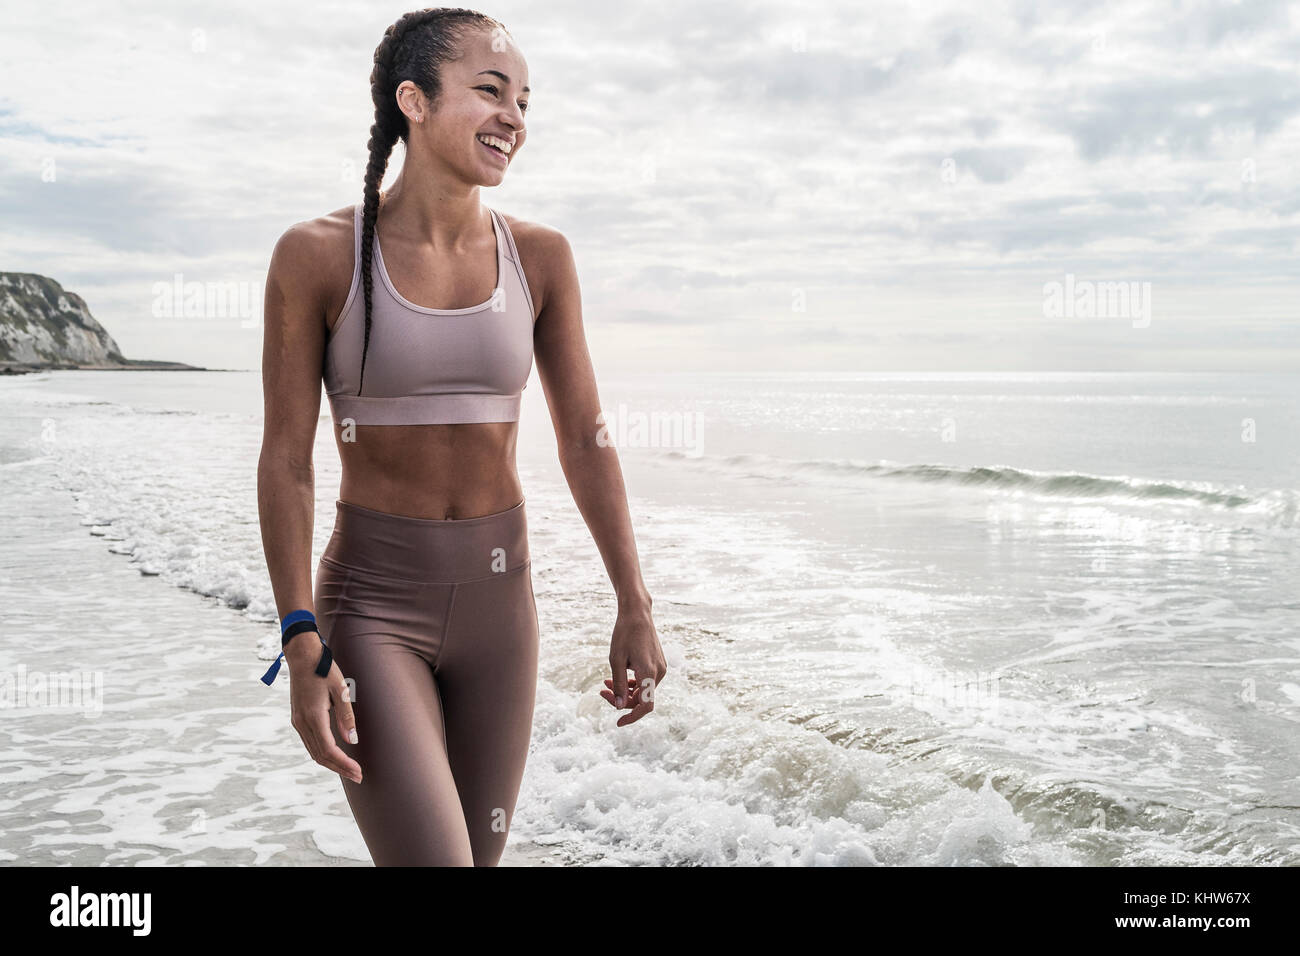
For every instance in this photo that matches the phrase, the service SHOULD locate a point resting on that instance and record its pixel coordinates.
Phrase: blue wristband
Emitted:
(295, 623)
(293, 617)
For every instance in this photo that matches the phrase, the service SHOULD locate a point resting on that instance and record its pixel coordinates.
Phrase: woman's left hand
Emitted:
(634, 646)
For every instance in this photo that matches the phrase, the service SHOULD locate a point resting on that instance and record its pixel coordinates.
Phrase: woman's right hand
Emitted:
(310, 697)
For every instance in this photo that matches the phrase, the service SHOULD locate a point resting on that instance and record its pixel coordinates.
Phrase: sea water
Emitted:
(937, 619)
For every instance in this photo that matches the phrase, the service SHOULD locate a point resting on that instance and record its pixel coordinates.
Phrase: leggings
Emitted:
(433, 623)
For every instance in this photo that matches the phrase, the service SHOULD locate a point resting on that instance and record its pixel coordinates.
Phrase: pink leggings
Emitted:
(434, 623)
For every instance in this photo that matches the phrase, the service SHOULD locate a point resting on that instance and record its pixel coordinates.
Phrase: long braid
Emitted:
(414, 48)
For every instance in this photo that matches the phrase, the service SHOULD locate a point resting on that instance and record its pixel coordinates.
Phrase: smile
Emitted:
(498, 154)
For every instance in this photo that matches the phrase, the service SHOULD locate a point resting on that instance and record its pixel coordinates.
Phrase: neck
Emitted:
(429, 204)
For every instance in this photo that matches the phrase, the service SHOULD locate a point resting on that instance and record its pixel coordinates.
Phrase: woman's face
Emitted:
(484, 96)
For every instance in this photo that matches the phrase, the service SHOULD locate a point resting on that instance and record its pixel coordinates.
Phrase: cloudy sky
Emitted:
(753, 185)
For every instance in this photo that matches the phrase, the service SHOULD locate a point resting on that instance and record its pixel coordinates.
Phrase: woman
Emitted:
(423, 598)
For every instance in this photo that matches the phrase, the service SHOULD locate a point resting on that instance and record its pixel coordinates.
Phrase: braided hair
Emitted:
(414, 48)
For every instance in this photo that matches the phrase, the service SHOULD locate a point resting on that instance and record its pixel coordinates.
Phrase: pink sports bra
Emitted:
(432, 366)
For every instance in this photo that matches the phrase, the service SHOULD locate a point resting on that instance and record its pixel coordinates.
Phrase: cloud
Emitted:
(895, 164)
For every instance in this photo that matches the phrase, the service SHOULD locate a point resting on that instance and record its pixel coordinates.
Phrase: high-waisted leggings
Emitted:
(434, 623)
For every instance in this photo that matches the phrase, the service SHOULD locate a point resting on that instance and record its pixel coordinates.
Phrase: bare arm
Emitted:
(292, 353)
(594, 476)
(592, 471)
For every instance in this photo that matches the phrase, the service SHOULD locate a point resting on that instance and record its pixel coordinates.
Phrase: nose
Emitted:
(514, 118)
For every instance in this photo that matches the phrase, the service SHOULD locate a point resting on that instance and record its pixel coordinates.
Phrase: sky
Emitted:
(746, 186)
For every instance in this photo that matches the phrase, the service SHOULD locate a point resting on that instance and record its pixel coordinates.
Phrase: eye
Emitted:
(523, 107)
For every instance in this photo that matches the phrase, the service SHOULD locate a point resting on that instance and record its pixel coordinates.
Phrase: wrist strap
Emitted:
(296, 623)
(294, 617)
(293, 630)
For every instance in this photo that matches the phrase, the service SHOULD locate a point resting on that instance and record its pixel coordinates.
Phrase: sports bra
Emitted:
(431, 366)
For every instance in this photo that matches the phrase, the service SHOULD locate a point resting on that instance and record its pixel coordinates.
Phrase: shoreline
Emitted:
(145, 365)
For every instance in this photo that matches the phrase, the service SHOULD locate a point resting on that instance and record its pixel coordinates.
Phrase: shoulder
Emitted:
(545, 254)
(324, 241)
(313, 256)
(536, 239)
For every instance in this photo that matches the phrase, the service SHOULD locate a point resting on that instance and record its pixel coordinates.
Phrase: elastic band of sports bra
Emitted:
(295, 623)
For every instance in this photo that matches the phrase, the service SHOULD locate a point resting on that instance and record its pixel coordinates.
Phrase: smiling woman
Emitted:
(412, 68)
(423, 599)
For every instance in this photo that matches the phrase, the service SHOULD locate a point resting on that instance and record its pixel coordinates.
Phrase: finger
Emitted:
(328, 752)
(629, 691)
(632, 699)
(341, 697)
(636, 713)
(619, 671)
(628, 700)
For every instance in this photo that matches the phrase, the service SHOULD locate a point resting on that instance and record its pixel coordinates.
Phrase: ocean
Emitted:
(910, 619)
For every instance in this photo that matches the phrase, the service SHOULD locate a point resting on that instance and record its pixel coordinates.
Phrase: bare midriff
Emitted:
(431, 471)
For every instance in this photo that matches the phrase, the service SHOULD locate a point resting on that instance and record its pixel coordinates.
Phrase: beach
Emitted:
(953, 620)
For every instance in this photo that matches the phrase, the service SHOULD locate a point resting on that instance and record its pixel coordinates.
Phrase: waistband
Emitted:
(442, 409)
(429, 550)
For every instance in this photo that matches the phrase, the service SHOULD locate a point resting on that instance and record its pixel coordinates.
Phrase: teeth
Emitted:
(500, 144)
